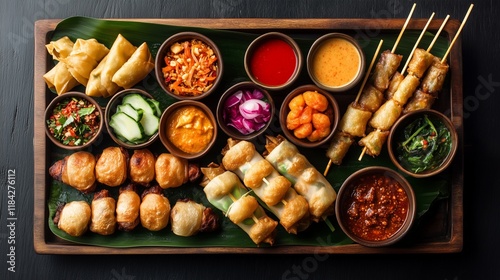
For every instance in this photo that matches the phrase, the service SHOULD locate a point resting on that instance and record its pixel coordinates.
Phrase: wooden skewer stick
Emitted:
(438, 32)
(416, 43)
(458, 32)
(406, 65)
(404, 27)
(369, 71)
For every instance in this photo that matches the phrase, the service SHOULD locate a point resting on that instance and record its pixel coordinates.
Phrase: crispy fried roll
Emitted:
(386, 115)
(76, 170)
(73, 217)
(103, 220)
(374, 142)
(142, 167)
(354, 121)
(111, 167)
(386, 66)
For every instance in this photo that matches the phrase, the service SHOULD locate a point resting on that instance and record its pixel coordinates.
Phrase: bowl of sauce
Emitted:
(335, 62)
(375, 206)
(422, 143)
(188, 129)
(273, 61)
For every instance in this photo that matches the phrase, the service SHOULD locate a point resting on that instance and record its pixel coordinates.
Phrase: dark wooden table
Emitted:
(481, 80)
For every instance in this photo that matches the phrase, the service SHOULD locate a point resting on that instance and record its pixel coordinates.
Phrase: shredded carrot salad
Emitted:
(191, 68)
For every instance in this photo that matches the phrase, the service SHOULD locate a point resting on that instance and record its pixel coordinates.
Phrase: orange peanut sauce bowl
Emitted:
(188, 129)
(375, 206)
(322, 116)
(188, 66)
(335, 62)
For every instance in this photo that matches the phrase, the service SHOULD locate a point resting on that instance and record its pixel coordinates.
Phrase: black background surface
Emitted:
(481, 84)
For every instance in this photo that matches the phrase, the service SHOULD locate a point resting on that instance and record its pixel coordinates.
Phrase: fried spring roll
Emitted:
(154, 211)
(339, 146)
(374, 142)
(420, 61)
(393, 86)
(142, 167)
(73, 217)
(420, 100)
(127, 208)
(269, 185)
(386, 66)
(371, 98)
(307, 181)
(354, 121)
(111, 166)
(173, 172)
(386, 115)
(226, 192)
(433, 80)
(405, 89)
(189, 218)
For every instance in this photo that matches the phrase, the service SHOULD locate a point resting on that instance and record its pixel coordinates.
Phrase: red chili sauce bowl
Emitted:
(273, 61)
(375, 206)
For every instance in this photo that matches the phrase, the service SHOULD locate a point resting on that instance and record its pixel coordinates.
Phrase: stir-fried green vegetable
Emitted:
(424, 145)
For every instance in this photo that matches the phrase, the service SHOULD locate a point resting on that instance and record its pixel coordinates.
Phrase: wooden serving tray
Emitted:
(444, 227)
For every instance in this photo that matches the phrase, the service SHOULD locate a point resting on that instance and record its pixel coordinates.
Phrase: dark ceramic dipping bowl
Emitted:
(332, 112)
(77, 96)
(111, 109)
(168, 119)
(225, 109)
(335, 62)
(273, 61)
(170, 46)
(446, 144)
(362, 206)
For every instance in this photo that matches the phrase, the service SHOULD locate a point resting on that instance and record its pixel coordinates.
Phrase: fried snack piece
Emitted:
(127, 208)
(73, 217)
(187, 218)
(136, 68)
(142, 167)
(154, 209)
(103, 220)
(76, 170)
(111, 166)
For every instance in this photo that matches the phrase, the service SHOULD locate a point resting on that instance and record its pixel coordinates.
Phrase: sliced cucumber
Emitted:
(150, 123)
(138, 102)
(126, 127)
(128, 109)
(156, 106)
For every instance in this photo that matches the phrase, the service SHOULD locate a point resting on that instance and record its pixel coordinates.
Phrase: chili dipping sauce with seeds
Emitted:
(377, 207)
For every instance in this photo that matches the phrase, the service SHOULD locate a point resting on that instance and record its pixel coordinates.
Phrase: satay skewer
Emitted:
(410, 57)
(342, 140)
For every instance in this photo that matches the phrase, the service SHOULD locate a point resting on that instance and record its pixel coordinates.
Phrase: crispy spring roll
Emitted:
(142, 167)
(271, 187)
(60, 48)
(405, 89)
(127, 208)
(393, 86)
(339, 146)
(435, 76)
(307, 181)
(60, 79)
(188, 218)
(136, 68)
(84, 57)
(386, 66)
(154, 211)
(354, 121)
(420, 61)
(386, 115)
(420, 100)
(374, 142)
(172, 171)
(111, 166)
(73, 217)
(225, 191)
(371, 98)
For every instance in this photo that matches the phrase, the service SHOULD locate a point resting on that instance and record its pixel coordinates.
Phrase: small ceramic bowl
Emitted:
(273, 61)
(111, 109)
(335, 62)
(294, 133)
(49, 111)
(183, 140)
(229, 106)
(362, 208)
(443, 155)
(172, 48)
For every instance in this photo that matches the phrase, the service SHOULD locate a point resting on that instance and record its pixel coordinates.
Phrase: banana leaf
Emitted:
(232, 45)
